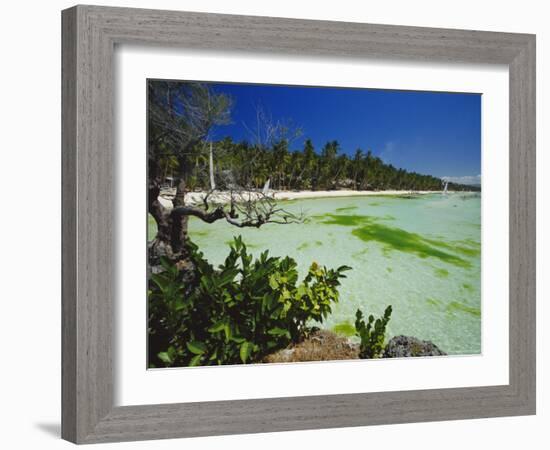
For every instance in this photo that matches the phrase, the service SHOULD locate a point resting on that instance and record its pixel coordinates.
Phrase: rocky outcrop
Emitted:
(322, 345)
(405, 346)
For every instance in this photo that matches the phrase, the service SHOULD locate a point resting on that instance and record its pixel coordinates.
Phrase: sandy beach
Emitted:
(294, 195)
(196, 198)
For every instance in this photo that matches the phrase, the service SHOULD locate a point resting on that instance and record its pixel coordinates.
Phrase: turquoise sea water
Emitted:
(421, 255)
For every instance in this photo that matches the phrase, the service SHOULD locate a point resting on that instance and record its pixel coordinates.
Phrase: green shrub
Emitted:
(372, 338)
(237, 313)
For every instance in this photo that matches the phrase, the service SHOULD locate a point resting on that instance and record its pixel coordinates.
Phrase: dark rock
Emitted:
(404, 346)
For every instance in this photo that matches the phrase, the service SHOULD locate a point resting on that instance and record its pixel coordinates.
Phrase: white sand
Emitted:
(223, 197)
(292, 195)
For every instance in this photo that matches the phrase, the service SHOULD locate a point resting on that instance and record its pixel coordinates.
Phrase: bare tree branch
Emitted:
(269, 132)
(205, 216)
(243, 208)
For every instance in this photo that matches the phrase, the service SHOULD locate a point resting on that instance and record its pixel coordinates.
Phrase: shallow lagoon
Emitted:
(421, 255)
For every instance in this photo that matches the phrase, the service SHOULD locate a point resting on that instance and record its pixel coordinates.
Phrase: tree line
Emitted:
(251, 165)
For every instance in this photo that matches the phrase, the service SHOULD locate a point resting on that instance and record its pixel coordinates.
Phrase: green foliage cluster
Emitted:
(310, 169)
(372, 333)
(236, 313)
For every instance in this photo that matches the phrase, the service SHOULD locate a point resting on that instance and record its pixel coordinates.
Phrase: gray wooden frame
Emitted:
(89, 36)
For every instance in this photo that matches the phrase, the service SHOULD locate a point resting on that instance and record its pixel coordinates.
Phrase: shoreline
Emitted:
(296, 195)
(195, 198)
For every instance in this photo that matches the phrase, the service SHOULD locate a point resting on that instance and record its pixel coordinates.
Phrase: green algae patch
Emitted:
(346, 220)
(349, 220)
(441, 273)
(389, 269)
(199, 233)
(344, 329)
(359, 254)
(346, 208)
(468, 287)
(467, 251)
(305, 245)
(433, 302)
(457, 306)
(470, 242)
(404, 241)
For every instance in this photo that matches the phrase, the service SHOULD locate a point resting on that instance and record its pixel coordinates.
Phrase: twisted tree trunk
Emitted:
(172, 225)
(171, 228)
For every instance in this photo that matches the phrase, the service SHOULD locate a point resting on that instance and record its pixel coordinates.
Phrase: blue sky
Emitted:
(427, 132)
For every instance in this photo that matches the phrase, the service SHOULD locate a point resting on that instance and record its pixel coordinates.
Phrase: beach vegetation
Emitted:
(235, 313)
(372, 333)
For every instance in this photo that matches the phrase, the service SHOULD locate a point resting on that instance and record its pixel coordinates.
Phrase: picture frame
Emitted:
(90, 34)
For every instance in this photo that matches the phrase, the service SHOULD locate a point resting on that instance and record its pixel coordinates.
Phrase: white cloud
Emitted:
(466, 179)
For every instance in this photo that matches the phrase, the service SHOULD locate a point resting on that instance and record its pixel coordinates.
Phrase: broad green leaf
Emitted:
(218, 326)
(246, 349)
(238, 339)
(301, 291)
(196, 347)
(344, 329)
(161, 281)
(165, 357)
(285, 295)
(206, 283)
(273, 283)
(195, 361)
(179, 305)
(278, 332)
(227, 331)
(165, 263)
(226, 277)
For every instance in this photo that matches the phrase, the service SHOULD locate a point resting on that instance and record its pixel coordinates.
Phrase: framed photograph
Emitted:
(278, 224)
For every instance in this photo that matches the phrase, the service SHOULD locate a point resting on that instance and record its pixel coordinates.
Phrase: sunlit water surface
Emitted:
(420, 255)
